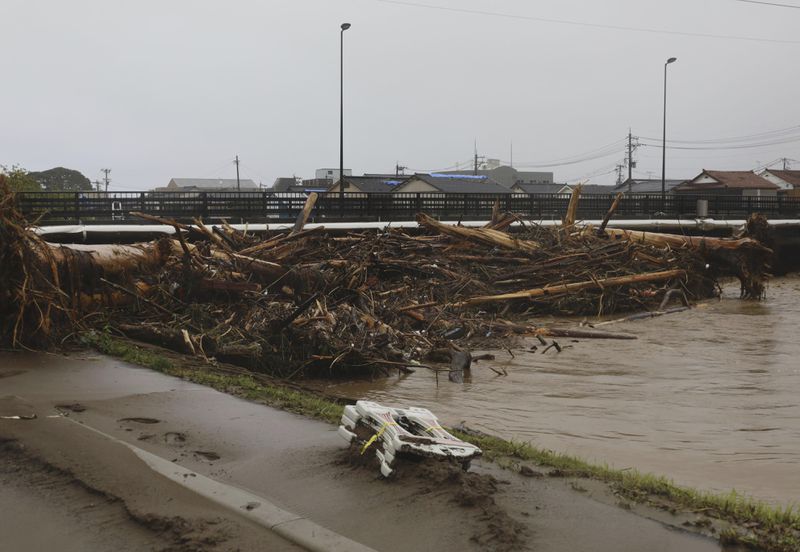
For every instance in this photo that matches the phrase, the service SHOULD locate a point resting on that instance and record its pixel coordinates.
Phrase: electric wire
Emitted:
(788, 140)
(776, 4)
(730, 139)
(588, 24)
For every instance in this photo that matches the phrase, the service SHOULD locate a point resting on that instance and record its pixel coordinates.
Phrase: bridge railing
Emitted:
(51, 208)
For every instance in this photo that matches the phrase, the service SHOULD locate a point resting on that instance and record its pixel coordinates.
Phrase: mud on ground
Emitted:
(83, 518)
(494, 529)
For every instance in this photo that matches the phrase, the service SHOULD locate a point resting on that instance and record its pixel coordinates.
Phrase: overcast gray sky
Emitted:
(176, 88)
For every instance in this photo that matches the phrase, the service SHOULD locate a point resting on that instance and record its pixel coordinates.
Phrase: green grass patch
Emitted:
(123, 350)
(754, 523)
(241, 385)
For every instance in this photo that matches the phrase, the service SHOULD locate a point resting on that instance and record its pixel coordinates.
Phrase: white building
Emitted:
(331, 174)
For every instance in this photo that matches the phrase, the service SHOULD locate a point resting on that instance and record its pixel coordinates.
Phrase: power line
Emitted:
(770, 4)
(730, 139)
(602, 171)
(734, 146)
(604, 151)
(457, 166)
(216, 171)
(254, 171)
(587, 24)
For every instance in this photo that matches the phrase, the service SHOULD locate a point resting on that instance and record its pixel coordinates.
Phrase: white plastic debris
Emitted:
(403, 430)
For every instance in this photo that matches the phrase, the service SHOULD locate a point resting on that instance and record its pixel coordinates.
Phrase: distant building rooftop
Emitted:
(539, 188)
(458, 183)
(715, 180)
(645, 185)
(790, 177)
(210, 184)
(595, 189)
(374, 184)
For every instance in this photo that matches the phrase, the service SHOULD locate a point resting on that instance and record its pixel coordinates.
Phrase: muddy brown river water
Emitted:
(709, 397)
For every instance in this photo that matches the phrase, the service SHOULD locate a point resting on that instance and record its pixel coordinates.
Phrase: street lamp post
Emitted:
(344, 27)
(664, 141)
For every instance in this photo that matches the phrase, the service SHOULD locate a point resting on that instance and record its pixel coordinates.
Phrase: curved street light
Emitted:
(664, 141)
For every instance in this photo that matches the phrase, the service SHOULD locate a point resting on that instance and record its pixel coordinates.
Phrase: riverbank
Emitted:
(293, 461)
(734, 517)
(707, 396)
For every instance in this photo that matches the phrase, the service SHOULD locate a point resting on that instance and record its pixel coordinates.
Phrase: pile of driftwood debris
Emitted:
(306, 302)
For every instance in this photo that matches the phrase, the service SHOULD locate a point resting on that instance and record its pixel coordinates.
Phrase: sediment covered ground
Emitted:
(299, 464)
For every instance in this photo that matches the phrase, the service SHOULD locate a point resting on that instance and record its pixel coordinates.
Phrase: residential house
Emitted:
(730, 183)
(650, 186)
(285, 183)
(209, 185)
(451, 184)
(595, 189)
(520, 188)
(508, 176)
(563, 190)
(370, 183)
(787, 181)
(297, 185)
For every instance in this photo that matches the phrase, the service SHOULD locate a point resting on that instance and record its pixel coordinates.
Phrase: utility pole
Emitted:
(477, 160)
(106, 180)
(511, 151)
(629, 160)
(236, 162)
(98, 185)
(630, 155)
(620, 168)
(399, 169)
(785, 164)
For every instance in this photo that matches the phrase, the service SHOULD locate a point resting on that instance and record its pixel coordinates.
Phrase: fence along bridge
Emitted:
(61, 208)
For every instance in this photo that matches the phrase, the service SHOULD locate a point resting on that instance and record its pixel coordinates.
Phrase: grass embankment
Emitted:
(242, 385)
(753, 523)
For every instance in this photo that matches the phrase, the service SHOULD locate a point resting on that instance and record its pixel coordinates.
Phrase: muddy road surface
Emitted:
(71, 471)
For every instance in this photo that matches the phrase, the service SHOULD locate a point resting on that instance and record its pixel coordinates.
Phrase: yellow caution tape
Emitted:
(376, 436)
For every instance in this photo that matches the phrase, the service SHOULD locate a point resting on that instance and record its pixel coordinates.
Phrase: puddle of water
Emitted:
(708, 397)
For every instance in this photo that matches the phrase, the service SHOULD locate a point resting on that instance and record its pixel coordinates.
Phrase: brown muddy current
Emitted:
(709, 397)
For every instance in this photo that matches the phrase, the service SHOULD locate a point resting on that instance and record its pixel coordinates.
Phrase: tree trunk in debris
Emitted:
(572, 209)
(557, 289)
(609, 214)
(692, 242)
(485, 236)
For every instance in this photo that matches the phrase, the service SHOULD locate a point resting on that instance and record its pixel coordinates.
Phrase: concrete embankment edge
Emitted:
(292, 527)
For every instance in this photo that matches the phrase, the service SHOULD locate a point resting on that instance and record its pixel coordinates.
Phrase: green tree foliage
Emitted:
(60, 179)
(19, 179)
